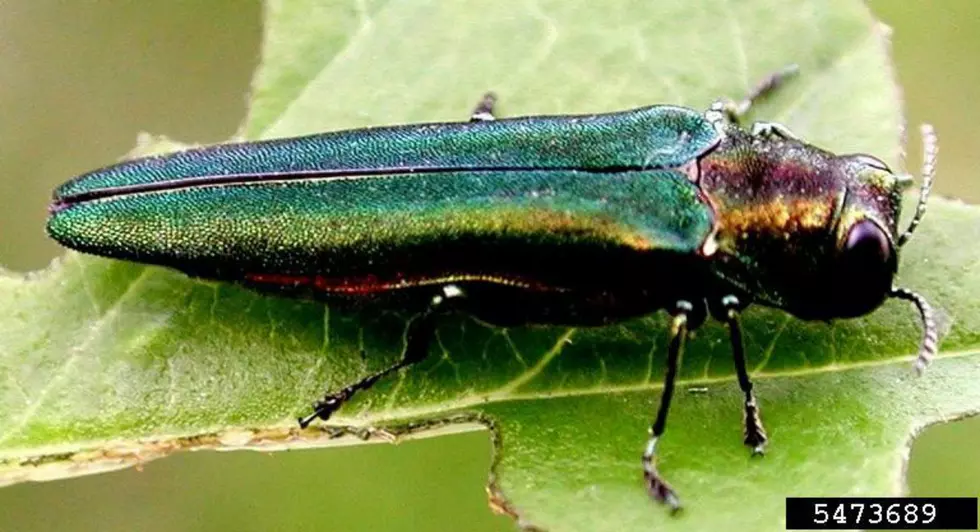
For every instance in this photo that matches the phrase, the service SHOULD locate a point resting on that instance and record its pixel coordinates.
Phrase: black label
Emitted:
(881, 513)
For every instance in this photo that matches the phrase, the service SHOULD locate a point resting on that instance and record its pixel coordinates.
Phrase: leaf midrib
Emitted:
(502, 394)
(290, 434)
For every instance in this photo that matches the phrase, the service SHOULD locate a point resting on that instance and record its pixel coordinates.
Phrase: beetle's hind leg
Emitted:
(753, 431)
(683, 320)
(483, 112)
(418, 338)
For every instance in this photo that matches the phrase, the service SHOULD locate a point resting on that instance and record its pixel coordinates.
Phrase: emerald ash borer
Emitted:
(580, 220)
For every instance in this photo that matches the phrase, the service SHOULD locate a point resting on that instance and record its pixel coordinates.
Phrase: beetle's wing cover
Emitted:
(538, 223)
(645, 138)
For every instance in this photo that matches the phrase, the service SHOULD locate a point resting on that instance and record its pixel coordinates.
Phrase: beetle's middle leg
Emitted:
(753, 431)
(418, 339)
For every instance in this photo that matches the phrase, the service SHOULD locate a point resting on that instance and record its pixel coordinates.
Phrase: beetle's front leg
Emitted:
(773, 130)
(418, 338)
(483, 112)
(753, 431)
(729, 111)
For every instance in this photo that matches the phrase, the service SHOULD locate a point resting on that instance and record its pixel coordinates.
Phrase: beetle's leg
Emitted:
(483, 112)
(753, 431)
(732, 112)
(656, 485)
(773, 130)
(420, 334)
(418, 338)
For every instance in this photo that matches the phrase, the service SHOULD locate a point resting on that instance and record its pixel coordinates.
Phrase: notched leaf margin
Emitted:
(88, 458)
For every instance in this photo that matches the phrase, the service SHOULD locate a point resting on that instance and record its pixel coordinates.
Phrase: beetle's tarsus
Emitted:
(307, 419)
(419, 336)
(753, 431)
(733, 111)
(483, 112)
(768, 85)
(325, 407)
(773, 130)
(657, 487)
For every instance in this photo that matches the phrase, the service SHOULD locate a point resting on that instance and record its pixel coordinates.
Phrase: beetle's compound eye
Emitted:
(865, 268)
(873, 162)
(867, 245)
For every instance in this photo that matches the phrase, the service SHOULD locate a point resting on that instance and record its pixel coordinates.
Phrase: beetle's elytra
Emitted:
(571, 220)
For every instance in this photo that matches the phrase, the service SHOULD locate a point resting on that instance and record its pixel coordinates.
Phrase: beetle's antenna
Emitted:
(930, 143)
(930, 336)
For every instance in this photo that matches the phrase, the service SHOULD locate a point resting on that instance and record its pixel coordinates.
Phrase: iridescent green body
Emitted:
(507, 203)
(629, 197)
(654, 137)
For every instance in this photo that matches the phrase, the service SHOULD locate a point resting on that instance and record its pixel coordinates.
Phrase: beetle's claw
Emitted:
(322, 409)
(306, 420)
(757, 440)
(658, 488)
(755, 433)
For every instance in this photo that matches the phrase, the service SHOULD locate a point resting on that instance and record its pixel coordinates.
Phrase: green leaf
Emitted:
(105, 364)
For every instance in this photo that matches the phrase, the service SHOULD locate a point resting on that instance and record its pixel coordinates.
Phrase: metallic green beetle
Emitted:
(570, 220)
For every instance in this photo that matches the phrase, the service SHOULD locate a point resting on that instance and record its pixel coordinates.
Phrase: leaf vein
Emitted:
(61, 373)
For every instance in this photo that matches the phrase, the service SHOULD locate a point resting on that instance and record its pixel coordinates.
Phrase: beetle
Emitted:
(576, 220)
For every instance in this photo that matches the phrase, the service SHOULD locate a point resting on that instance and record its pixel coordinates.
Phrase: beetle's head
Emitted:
(863, 258)
(866, 238)
(866, 241)
(808, 231)
(814, 233)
